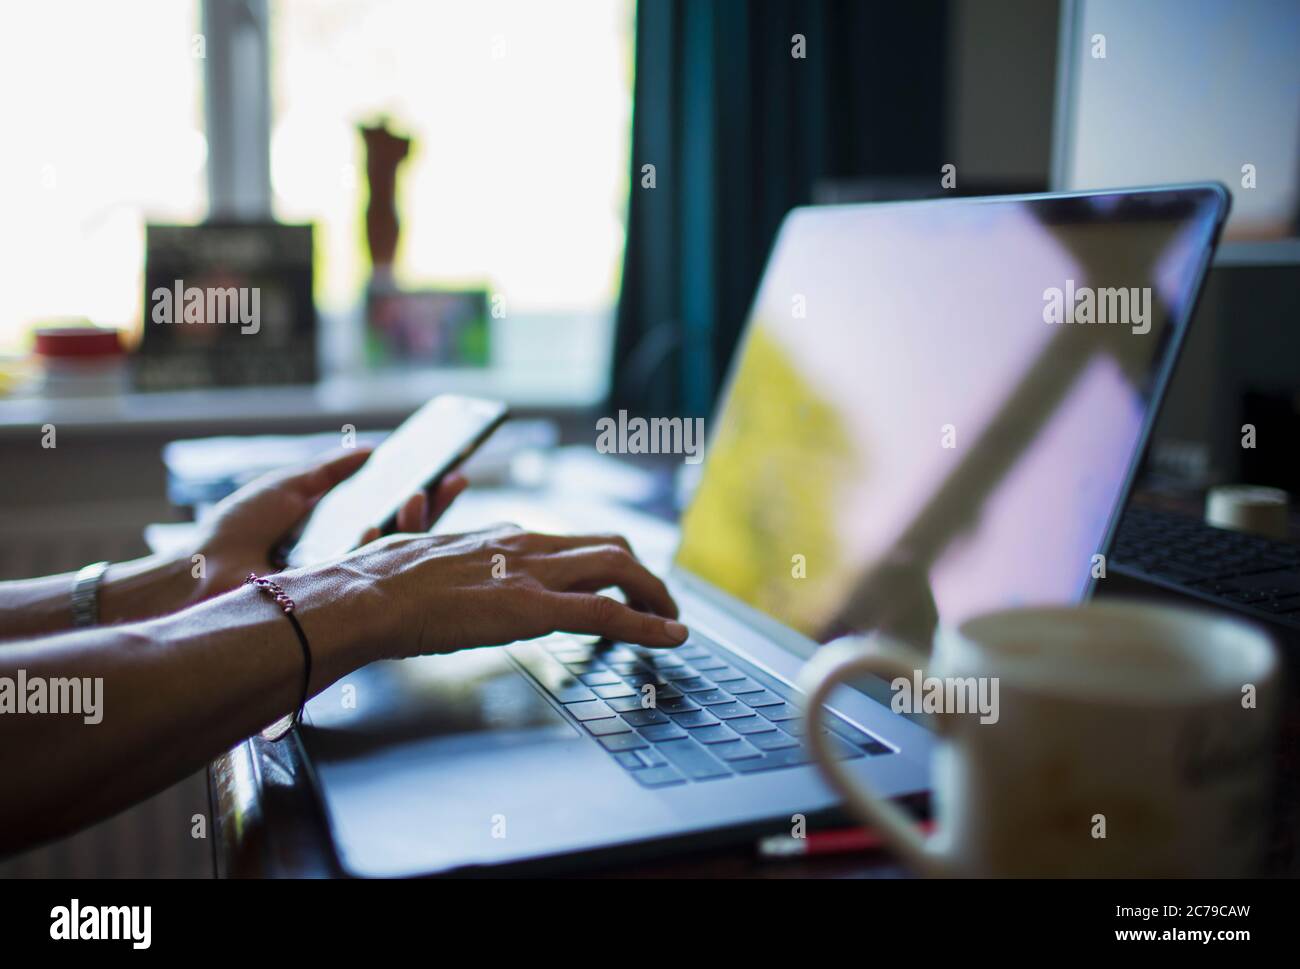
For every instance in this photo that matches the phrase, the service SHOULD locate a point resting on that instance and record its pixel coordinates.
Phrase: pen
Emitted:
(833, 841)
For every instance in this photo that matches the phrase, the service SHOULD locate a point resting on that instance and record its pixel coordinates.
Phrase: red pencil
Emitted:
(834, 841)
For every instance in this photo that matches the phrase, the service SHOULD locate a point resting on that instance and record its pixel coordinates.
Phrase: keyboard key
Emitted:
(590, 710)
(640, 679)
(744, 685)
(763, 698)
(694, 684)
(734, 750)
(772, 741)
(778, 713)
(693, 760)
(629, 759)
(612, 692)
(651, 757)
(621, 704)
(704, 665)
(676, 704)
(600, 728)
(659, 777)
(678, 673)
(694, 718)
(667, 692)
(659, 732)
(724, 673)
(753, 725)
(643, 718)
(599, 678)
(626, 668)
(663, 661)
(622, 741)
(707, 698)
(693, 651)
(730, 711)
(714, 734)
(581, 669)
(773, 760)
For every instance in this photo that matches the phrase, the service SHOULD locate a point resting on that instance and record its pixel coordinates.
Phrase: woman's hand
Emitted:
(246, 527)
(417, 594)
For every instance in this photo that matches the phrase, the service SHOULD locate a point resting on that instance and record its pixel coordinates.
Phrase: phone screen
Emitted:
(431, 442)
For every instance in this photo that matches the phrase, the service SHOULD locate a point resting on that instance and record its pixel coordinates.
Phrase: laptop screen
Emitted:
(937, 406)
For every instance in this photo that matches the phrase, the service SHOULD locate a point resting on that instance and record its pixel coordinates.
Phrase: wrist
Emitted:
(339, 610)
(143, 588)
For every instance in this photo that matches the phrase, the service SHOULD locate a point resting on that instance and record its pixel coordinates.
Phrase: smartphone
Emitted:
(430, 443)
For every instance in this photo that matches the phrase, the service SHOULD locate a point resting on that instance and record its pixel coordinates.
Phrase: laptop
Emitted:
(936, 409)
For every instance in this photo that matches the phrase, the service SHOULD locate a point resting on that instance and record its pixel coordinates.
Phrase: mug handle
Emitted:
(833, 664)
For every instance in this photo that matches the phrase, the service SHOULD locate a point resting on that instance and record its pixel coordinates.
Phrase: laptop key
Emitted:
(622, 741)
(629, 759)
(676, 704)
(651, 757)
(674, 673)
(709, 697)
(772, 741)
(621, 704)
(730, 711)
(643, 718)
(706, 664)
(590, 710)
(724, 673)
(611, 692)
(694, 718)
(734, 750)
(693, 760)
(774, 760)
(601, 728)
(694, 684)
(714, 734)
(743, 686)
(753, 725)
(778, 713)
(659, 732)
(598, 678)
(659, 776)
(763, 698)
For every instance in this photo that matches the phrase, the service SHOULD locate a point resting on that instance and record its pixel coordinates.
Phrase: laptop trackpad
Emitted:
(444, 761)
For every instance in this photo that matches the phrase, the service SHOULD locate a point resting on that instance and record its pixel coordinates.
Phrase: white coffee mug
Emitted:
(1112, 739)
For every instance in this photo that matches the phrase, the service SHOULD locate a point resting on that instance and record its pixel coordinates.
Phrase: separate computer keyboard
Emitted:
(1255, 576)
(704, 717)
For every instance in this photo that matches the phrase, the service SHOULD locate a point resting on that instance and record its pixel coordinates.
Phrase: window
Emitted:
(517, 182)
(103, 130)
(518, 178)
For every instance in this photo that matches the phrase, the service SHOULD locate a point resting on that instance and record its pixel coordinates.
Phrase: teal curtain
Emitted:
(739, 131)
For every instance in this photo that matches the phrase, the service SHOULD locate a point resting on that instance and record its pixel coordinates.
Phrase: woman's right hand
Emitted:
(419, 594)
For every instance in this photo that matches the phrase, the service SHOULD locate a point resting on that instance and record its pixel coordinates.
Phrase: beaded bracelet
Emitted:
(282, 726)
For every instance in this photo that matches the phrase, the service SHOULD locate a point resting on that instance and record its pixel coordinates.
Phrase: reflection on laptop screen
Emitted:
(937, 405)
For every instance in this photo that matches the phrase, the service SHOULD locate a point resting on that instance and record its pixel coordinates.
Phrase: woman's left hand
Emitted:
(245, 528)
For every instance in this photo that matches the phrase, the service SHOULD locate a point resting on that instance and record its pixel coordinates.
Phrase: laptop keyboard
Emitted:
(682, 715)
(1255, 576)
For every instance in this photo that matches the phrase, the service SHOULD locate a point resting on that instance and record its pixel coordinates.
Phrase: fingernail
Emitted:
(676, 631)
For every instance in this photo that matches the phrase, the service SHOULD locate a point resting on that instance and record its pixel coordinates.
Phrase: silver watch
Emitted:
(85, 595)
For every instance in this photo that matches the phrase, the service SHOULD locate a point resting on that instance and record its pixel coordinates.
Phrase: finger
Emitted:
(447, 491)
(559, 543)
(601, 566)
(314, 481)
(596, 615)
(414, 512)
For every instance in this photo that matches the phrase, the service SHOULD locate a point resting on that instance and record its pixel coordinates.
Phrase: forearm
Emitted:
(129, 591)
(173, 693)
